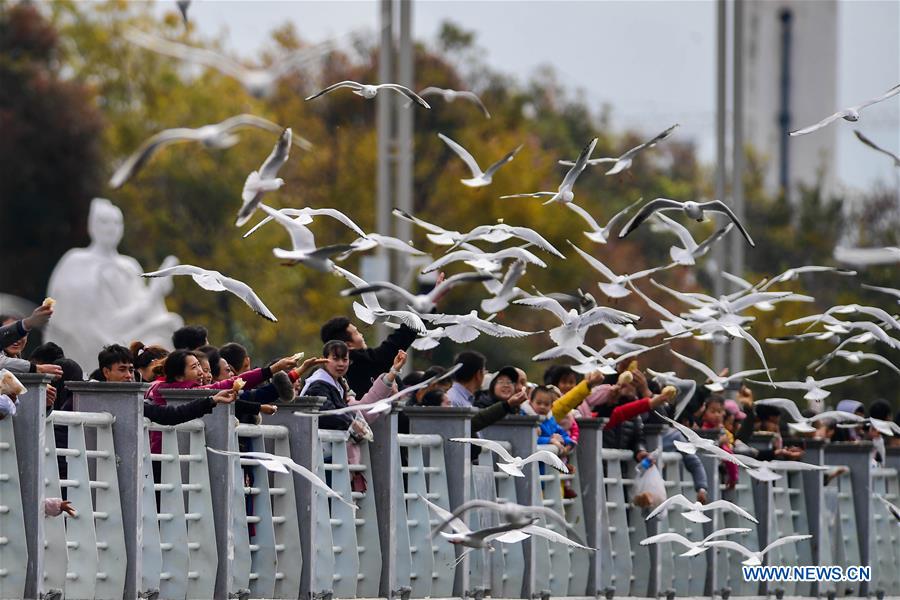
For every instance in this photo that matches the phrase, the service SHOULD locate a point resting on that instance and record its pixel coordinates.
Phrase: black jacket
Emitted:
(367, 364)
(12, 333)
(333, 399)
(175, 415)
(627, 435)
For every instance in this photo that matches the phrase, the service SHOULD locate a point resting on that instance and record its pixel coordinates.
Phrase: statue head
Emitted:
(105, 224)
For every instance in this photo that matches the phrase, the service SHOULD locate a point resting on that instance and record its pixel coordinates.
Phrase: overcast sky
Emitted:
(652, 61)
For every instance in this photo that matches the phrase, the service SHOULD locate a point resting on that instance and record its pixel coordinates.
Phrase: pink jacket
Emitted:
(377, 392)
(598, 397)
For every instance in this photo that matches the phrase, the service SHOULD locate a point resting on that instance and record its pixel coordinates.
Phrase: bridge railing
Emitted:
(206, 525)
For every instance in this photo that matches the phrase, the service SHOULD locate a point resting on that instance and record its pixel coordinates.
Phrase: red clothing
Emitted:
(628, 411)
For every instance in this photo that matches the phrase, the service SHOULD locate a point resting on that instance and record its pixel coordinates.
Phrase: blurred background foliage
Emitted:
(76, 98)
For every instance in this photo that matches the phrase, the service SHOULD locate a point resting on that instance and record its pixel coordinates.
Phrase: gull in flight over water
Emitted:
(564, 194)
(369, 91)
(479, 178)
(848, 114)
(264, 180)
(451, 95)
(216, 136)
(624, 161)
(216, 282)
(694, 210)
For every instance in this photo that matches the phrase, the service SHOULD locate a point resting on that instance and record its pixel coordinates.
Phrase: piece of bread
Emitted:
(10, 384)
(48, 302)
(670, 391)
(298, 357)
(625, 377)
(238, 385)
(632, 366)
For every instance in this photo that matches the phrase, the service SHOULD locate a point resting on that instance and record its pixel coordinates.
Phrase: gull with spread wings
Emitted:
(850, 113)
(370, 91)
(479, 178)
(624, 161)
(694, 210)
(564, 194)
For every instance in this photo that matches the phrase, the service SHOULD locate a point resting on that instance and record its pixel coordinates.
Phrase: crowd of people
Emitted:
(348, 372)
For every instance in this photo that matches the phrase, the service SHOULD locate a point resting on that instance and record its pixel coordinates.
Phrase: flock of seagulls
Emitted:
(500, 271)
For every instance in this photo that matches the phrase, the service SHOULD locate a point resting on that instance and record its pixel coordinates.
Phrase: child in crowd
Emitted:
(542, 399)
(714, 418)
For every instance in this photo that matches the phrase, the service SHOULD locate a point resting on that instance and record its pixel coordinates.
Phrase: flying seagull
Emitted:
(479, 178)
(264, 180)
(216, 136)
(864, 257)
(304, 244)
(690, 250)
(624, 161)
(371, 310)
(216, 282)
(305, 215)
(451, 95)
(599, 234)
(616, 286)
(510, 464)
(421, 303)
(259, 82)
(801, 424)
(695, 510)
(501, 232)
(564, 193)
(755, 558)
(485, 261)
(574, 326)
(848, 114)
(694, 548)
(814, 388)
(694, 210)
(511, 512)
(875, 146)
(369, 91)
(466, 328)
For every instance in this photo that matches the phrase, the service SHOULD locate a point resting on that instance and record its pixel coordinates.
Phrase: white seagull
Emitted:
(216, 136)
(616, 286)
(303, 244)
(510, 464)
(370, 310)
(463, 329)
(857, 358)
(691, 250)
(599, 234)
(574, 326)
(370, 241)
(277, 464)
(421, 303)
(801, 424)
(755, 558)
(436, 234)
(815, 389)
(501, 232)
(884, 290)
(624, 161)
(875, 146)
(848, 114)
(694, 548)
(892, 508)
(479, 178)
(695, 510)
(864, 257)
(717, 382)
(216, 282)
(694, 210)
(485, 261)
(504, 291)
(564, 193)
(450, 95)
(264, 180)
(511, 512)
(259, 82)
(369, 91)
(304, 216)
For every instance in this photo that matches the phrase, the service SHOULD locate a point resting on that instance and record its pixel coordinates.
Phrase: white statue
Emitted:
(101, 297)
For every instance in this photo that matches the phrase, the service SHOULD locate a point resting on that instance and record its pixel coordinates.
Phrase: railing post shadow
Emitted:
(125, 402)
(450, 422)
(857, 457)
(814, 493)
(219, 426)
(304, 436)
(384, 456)
(711, 466)
(593, 493)
(521, 433)
(28, 425)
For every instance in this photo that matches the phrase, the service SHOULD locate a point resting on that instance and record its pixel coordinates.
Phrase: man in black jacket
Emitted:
(366, 363)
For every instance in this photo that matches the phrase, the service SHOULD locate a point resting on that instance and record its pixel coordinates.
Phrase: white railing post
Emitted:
(857, 457)
(125, 402)
(520, 431)
(388, 493)
(596, 523)
(304, 443)
(449, 423)
(653, 439)
(29, 433)
(13, 551)
(219, 425)
(713, 575)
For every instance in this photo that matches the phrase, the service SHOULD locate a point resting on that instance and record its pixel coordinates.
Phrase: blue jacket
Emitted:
(549, 426)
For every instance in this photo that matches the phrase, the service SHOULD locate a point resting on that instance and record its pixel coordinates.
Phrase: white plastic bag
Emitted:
(649, 488)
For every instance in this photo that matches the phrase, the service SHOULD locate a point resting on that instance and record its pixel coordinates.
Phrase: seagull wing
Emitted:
(788, 539)
(406, 92)
(546, 457)
(201, 56)
(491, 445)
(462, 509)
(697, 365)
(180, 270)
(726, 505)
(279, 155)
(648, 144)
(569, 180)
(465, 155)
(341, 84)
(246, 293)
(663, 538)
(248, 120)
(506, 158)
(830, 118)
(842, 379)
(139, 157)
(875, 146)
(687, 240)
(867, 256)
(533, 237)
(870, 356)
(602, 314)
(676, 500)
(596, 264)
(546, 303)
(301, 236)
(726, 531)
(430, 227)
(729, 545)
(704, 246)
(788, 406)
(584, 215)
(376, 286)
(457, 525)
(338, 216)
(719, 206)
(473, 97)
(455, 280)
(648, 209)
(553, 536)
(888, 94)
